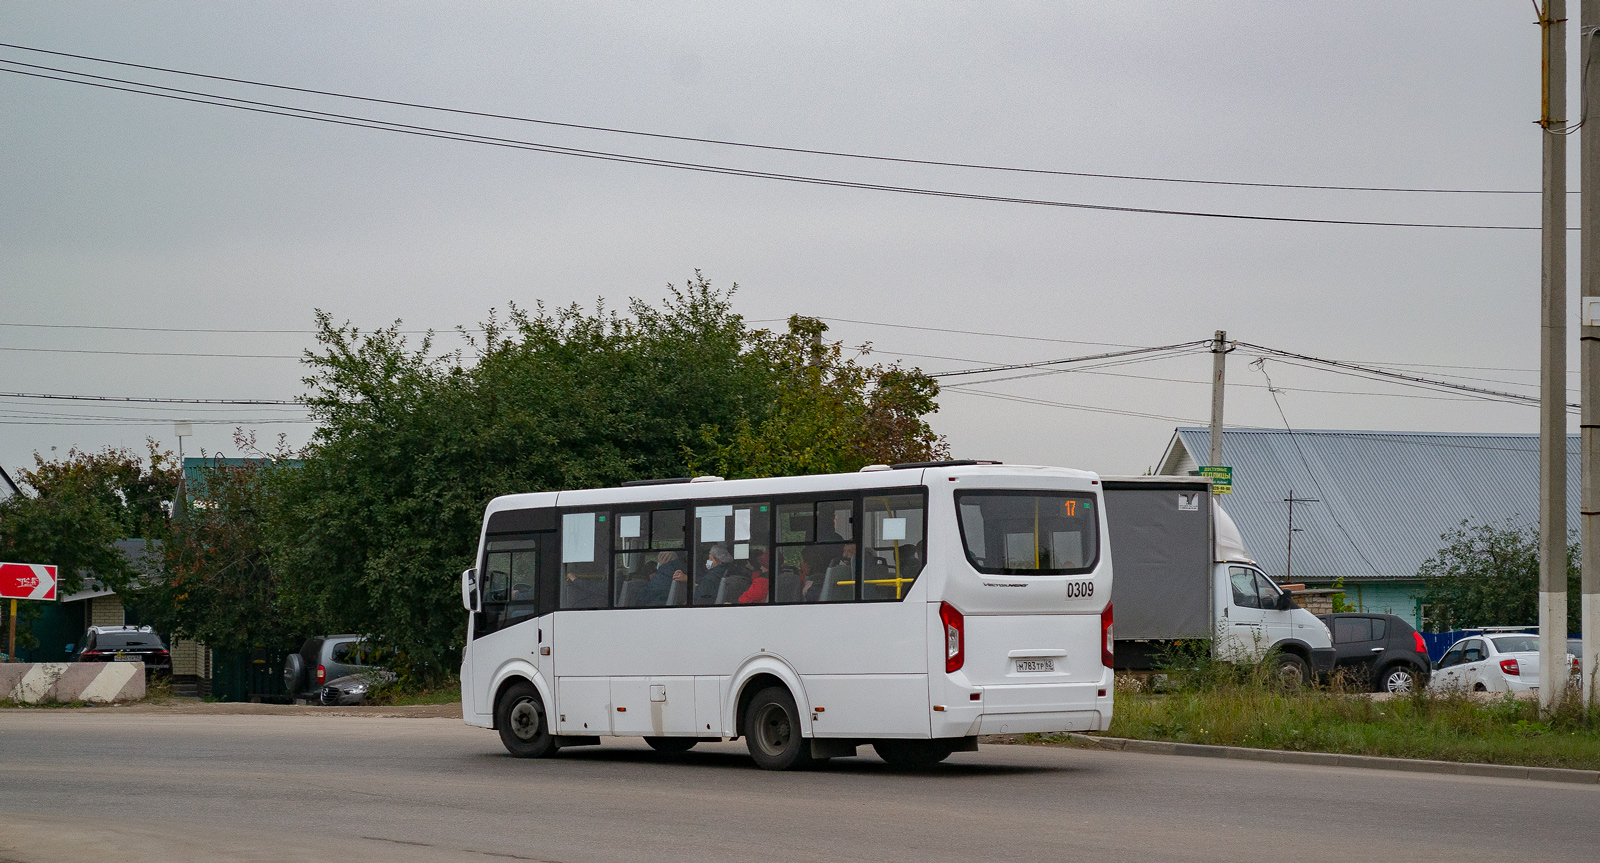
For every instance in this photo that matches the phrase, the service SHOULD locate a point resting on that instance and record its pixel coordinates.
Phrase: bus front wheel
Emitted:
(772, 731)
(520, 717)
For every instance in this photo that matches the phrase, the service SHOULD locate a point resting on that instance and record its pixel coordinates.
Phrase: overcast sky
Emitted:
(132, 211)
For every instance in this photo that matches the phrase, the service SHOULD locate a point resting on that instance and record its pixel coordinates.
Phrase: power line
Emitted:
(254, 106)
(143, 400)
(1042, 363)
(177, 329)
(151, 353)
(1397, 376)
(767, 147)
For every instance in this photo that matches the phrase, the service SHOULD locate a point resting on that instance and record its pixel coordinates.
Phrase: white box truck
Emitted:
(1182, 574)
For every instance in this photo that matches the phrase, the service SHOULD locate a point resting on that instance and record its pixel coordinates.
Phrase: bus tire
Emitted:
(671, 745)
(772, 731)
(913, 753)
(520, 718)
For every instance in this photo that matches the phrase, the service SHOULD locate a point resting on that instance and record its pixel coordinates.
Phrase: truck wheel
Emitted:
(772, 730)
(1397, 678)
(671, 745)
(520, 717)
(913, 753)
(1290, 670)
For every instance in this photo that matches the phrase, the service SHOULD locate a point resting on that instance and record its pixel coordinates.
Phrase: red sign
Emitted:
(27, 581)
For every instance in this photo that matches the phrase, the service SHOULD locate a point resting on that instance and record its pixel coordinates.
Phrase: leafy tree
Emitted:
(210, 580)
(411, 445)
(829, 413)
(1488, 575)
(70, 513)
(135, 489)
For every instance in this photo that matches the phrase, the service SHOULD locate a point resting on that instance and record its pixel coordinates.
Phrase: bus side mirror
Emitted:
(469, 589)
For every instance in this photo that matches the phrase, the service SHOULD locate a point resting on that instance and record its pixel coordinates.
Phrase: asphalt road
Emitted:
(103, 784)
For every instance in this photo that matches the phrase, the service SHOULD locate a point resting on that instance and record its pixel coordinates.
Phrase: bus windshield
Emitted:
(1029, 533)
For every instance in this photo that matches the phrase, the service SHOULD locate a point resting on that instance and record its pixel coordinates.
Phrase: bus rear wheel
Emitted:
(671, 745)
(913, 753)
(772, 731)
(520, 718)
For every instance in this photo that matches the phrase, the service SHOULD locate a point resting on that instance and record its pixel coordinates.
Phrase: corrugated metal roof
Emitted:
(1384, 498)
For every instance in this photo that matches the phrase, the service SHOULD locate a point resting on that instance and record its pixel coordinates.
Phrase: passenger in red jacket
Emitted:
(759, 580)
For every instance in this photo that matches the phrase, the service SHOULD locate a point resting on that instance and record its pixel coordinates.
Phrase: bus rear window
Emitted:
(1029, 532)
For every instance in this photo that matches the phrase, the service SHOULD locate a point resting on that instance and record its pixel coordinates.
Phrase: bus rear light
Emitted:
(955, 653)
(1106, 653)
(1510, 667)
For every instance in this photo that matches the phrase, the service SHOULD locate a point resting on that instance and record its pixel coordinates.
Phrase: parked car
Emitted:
(1381, 650)
(353, 688)
(324, 659)
(125, 644)
(1492, 662)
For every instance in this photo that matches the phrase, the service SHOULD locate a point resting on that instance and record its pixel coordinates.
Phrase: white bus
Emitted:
(911, 608)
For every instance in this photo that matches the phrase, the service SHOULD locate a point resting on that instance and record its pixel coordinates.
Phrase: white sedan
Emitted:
(1493, 662)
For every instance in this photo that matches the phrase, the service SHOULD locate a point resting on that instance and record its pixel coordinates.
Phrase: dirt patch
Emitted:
(183, 707)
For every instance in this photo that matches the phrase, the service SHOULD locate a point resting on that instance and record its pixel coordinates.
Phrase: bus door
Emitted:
(508, 625)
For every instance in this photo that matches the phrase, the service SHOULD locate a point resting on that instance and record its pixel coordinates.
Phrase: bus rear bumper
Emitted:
(1029, 709)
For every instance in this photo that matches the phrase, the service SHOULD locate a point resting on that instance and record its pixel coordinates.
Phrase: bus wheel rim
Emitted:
(773, 729)
(524, 720)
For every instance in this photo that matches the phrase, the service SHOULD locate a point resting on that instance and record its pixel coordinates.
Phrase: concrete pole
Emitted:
(1219, 373)
(1553, 362)
(1589, 351)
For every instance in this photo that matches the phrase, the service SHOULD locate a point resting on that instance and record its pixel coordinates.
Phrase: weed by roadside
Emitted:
(399, 694)
(1197, 699)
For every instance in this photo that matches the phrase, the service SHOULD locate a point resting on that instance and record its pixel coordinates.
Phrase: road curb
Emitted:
(1330, 759)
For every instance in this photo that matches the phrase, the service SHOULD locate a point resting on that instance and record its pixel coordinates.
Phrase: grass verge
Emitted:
(446, 691)
(1211, 702)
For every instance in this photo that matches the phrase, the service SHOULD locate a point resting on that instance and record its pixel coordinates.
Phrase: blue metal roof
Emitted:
(1384, 498)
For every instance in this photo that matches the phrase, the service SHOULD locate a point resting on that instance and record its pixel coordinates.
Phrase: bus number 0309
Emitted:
(1080, 589)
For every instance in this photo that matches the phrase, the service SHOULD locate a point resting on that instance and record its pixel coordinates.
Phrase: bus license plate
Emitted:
(1045, 665)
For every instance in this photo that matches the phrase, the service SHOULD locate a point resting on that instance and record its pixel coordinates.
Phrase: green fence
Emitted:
(255, 675)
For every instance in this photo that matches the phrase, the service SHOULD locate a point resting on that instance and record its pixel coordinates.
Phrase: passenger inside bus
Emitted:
(584, 586)
(760, 580)
(817, 564)
(660, 590)
(717, 564)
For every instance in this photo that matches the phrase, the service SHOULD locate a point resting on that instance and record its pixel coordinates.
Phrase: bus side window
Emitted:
(893, 545)
(729, 541)
(585, 556)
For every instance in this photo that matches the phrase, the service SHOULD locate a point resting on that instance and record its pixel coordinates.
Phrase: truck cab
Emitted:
(1256, 616)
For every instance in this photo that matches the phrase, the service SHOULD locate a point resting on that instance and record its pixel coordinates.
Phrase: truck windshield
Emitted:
(1029, 533)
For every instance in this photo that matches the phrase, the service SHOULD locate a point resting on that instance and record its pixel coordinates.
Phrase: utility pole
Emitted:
(1219, 373)
(1553, 360)
(1589, 352)
(1288, 563)
(181, 429)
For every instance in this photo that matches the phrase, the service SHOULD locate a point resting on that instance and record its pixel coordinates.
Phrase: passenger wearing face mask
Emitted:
(717, 564)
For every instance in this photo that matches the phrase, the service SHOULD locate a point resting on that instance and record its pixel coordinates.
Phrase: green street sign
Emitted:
(1221, 477)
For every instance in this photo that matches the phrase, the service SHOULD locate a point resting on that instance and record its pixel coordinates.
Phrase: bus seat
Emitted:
(832, 590)
(787, 587)
(625, 596)
(675, 596)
